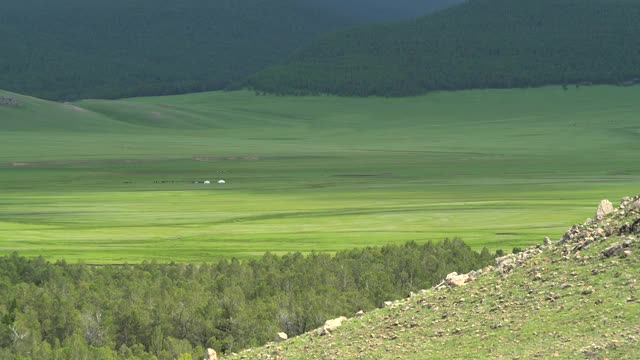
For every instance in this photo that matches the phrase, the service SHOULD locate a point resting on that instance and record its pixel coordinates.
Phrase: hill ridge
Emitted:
(120, 48)
(589, 272)
(478, 44)
(31, 113)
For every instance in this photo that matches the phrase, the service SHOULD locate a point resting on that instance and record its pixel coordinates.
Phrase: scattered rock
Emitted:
(331, 325)
(210, 354)
(587, 291)
(604, 208)
(281, 336)
(547, 241)
(616, 248)
(360, 313)
(453, 279)
(506, 263)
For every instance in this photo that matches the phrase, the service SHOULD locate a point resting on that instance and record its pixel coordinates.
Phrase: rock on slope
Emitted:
(575, 298)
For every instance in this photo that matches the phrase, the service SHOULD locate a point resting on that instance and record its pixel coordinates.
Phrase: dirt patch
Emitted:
(219, 158)
(9, 101)
(364, 175)
(206, 158)
(275, 139)
(74, 108)
(126, 161)
(76, 162)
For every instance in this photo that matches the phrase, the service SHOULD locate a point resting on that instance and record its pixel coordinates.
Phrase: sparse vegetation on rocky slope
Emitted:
(574, 298)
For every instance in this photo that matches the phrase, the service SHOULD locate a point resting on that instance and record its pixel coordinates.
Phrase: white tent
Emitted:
(221, 182)
(207, 182)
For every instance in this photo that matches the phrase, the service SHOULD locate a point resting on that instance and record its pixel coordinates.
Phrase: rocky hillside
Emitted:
(577, 297)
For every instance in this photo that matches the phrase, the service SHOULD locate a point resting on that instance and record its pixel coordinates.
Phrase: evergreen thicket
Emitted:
(169, 311)
(107, 49)
(76, 49)
(478, 44)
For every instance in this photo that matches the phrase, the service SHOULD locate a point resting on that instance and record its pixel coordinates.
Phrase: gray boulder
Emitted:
(281, 336)
(604, 208)
(210, 354)
(331, 325)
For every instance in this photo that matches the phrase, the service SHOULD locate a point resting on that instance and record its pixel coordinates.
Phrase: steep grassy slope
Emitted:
(497, 168)
(567, 302)
(479, 44)
(105, 49)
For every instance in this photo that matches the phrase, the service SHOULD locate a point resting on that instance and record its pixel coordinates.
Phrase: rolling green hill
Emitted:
(33, 115)
(112, 181)
(108, 49)
(478, 44)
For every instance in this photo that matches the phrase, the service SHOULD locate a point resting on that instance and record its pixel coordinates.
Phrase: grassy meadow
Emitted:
(112, 181)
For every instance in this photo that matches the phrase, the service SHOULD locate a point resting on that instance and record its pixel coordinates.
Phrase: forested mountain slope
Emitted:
(81, 49)
(478, 44)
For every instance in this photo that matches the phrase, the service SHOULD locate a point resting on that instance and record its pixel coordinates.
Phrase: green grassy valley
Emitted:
(112, 181)
(217, 179)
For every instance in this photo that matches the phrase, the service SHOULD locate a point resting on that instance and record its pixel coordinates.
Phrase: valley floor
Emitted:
(113, 181)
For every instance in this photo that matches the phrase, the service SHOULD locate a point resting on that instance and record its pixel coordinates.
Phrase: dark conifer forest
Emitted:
(160, 311)
(478, 44)
(76, 49)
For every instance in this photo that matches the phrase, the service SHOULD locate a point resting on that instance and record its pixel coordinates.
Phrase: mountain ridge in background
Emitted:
(478, 44)
(96, 49)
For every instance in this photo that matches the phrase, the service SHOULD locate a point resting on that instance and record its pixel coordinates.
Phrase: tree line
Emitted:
(168, 311)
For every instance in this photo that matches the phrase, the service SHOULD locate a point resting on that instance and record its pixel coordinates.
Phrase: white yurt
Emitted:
(221, 181)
